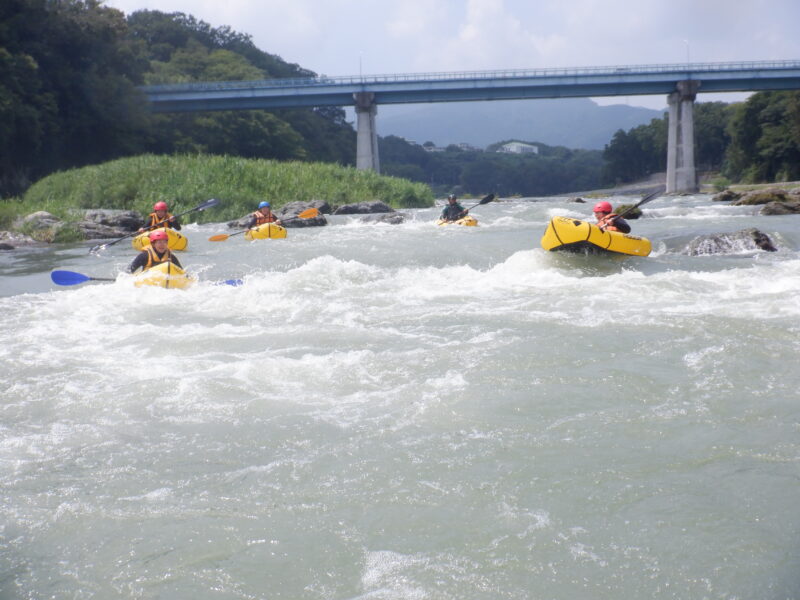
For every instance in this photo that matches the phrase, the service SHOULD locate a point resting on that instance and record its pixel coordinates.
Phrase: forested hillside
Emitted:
(553, 170)
(68, 97)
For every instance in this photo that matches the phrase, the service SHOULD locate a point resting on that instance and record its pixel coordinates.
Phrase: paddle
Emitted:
(203, 206)
(73, 278)
(484, 200)
(308, 213)
(647, 198)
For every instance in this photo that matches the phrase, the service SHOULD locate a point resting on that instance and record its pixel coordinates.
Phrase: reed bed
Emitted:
(185, 181)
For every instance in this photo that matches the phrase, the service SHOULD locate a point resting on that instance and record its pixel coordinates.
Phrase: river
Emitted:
(408, 411)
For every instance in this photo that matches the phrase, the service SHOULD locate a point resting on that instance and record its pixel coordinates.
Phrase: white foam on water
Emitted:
(691, 211)
(409, 411)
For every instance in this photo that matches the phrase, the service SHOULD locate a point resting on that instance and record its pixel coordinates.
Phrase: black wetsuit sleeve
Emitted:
(251, 223)
(174, 260)
(622, 225)
(175, 223)
(139, 262)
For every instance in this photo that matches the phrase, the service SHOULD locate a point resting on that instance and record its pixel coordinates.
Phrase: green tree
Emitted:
(711, 137)
(765, 138)
(623, 158)
(183, 49)
(68, 88)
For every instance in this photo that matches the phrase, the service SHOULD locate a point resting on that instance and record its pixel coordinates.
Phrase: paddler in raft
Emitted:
(607, 220)
(263, 215)
(161, 217)
(156, 253)
(453, 211)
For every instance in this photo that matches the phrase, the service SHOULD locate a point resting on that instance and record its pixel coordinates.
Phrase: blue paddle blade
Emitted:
(68, 277)
(233, 282)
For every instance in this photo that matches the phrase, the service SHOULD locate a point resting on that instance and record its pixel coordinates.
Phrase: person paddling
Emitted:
(263, 215)
(607, 220)
(453, 211)
(161, 217)
(156, 253)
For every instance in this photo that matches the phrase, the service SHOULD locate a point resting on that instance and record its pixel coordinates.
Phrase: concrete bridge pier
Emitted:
(681, 173)
(366, 134)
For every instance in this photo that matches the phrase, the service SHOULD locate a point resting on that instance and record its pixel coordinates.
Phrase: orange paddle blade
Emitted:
(219, 238)
(308, 213)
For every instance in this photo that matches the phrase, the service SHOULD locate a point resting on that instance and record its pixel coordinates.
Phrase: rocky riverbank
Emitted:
(42, 227)
(775, 200)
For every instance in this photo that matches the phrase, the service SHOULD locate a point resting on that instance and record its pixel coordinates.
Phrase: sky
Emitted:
(372, 37)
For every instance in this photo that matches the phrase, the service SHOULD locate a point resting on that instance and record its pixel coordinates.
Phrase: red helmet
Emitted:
(602, 207)
(160, 206)
(158, 234)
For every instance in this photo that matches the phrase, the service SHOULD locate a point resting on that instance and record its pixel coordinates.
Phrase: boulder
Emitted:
(730, 243)
(10, 240)
(292, 209)
(238, 223)
(629, 211)
(726, 196)
(95, 231)
(298, 206)
(393, 218)
(790, 207)
(38, 221)
(762, 197)
(126, 220)
(96, 224)
(361, 208)
(41, 226)
(101, 223)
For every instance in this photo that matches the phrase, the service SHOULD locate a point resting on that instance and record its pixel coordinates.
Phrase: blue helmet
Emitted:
(263, 204)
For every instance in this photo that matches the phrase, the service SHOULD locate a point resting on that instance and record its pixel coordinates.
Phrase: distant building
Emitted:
(518, 148)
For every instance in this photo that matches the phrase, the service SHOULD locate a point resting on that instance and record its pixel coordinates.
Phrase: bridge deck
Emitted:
(475, 85)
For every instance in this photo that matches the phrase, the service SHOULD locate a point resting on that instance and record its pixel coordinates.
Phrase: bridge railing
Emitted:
(622, 70)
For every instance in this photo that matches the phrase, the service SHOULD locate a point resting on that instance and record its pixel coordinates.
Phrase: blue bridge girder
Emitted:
(474, 86)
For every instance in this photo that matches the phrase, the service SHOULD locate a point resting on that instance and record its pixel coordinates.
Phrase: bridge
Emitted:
(680, 82)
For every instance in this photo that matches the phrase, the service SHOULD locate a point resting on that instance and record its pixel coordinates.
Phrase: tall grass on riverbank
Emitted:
(138, 182)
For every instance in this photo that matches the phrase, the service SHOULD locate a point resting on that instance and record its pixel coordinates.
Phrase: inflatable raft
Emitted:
(176, 241)
(573, 235)
(468, 221)
(265, 231)
(166, 275)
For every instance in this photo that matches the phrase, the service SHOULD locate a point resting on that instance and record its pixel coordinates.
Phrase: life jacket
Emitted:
(153, 258)
(156, 221)
(608, 219)
(261, 219)
(452, 212)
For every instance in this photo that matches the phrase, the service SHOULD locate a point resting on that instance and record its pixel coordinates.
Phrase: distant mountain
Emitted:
(570, 122)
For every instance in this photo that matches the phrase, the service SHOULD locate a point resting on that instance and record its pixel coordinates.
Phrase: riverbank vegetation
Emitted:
(754, 141)
(136, 183)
